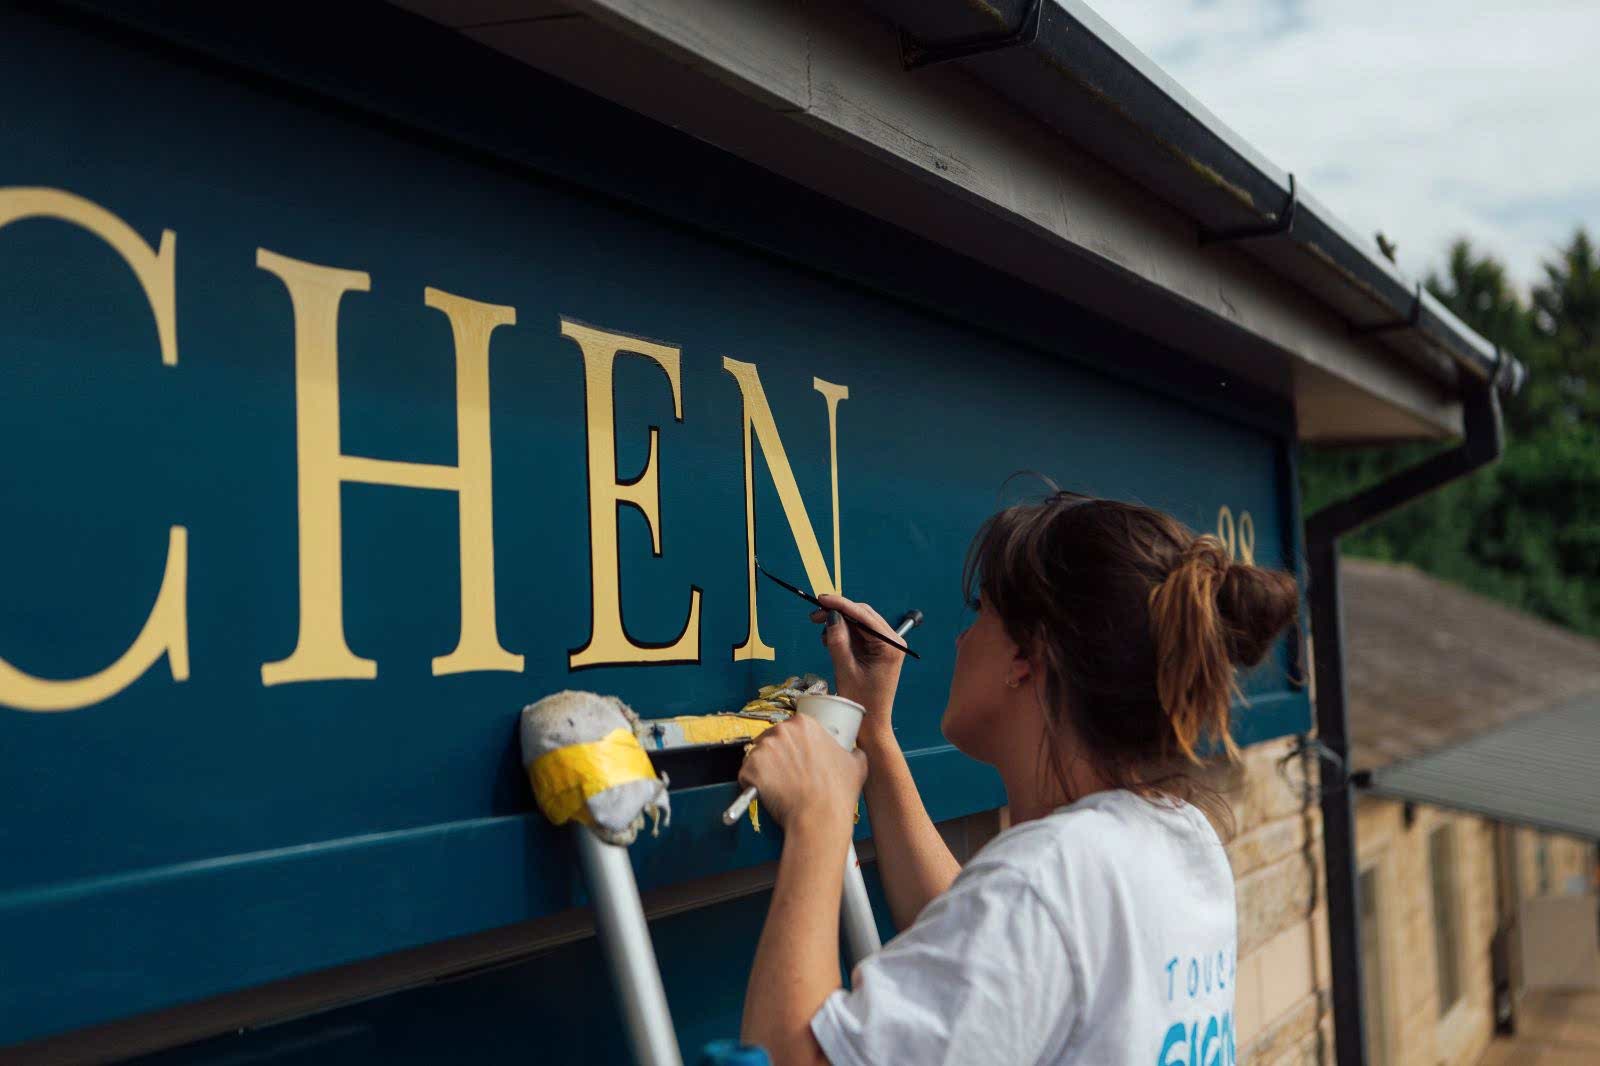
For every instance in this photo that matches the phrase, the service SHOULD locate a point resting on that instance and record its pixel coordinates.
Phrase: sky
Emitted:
(1427, 119)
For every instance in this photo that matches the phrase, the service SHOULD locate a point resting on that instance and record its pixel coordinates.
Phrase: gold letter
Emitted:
(608, 642)
(166, 628)
(321, 653)
(758, 415)
(471, 323)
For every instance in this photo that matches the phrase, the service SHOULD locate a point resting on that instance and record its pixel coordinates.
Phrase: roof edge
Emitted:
(1232, 190)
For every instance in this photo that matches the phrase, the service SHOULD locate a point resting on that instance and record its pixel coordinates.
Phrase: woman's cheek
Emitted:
(956, 725)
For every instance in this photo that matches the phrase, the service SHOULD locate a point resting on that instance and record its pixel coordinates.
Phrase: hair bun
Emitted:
(1255, 604)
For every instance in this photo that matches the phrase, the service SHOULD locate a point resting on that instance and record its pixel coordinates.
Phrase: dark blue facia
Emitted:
(176, 839)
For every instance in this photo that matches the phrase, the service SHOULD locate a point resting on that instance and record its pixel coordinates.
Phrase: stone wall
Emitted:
(1566, 859)
(1418, 1028)
(1281, 1003)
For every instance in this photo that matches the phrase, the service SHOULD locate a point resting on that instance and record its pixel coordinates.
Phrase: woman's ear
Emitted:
(1021, 669)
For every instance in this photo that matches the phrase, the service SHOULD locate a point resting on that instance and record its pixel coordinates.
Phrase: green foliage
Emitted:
(1527, 530)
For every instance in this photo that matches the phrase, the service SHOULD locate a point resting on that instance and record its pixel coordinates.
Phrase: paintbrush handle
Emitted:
(737, 808)
(862, 627)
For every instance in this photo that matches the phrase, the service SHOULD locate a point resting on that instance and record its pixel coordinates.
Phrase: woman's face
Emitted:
(984, 707)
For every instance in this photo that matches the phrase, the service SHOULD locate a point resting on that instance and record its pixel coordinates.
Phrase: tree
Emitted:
(1526, 531)
(1566, 311)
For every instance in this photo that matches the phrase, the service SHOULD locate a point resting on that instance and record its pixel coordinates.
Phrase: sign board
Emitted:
(329, 447)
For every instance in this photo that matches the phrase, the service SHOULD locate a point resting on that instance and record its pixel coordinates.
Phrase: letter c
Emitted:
(166, 628)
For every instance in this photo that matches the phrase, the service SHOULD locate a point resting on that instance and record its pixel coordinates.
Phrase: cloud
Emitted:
(1429, 120)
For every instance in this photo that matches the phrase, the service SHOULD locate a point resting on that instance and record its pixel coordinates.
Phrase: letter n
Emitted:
(759, 424)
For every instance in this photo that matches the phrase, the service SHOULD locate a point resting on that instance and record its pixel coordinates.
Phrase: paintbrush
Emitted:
(860, 627)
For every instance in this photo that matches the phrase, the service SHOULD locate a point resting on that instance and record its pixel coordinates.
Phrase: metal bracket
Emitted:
(915, 54)
(1507, 374)
(1282, 223)
(1411, 321)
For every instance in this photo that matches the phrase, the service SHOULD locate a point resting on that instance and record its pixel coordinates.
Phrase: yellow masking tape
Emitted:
(718, 728)
(565, 778)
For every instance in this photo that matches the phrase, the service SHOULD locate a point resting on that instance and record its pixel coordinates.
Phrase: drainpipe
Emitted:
(1481, 445)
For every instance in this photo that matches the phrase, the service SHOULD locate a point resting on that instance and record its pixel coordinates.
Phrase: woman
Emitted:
(1100, 927)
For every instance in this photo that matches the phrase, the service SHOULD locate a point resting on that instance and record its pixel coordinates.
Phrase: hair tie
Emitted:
(1205, 552)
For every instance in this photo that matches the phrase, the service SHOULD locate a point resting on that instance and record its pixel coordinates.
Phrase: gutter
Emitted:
(1062, 63)
(1482, 444)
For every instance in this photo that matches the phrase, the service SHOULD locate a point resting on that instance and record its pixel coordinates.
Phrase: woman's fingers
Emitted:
(836, 636)
(776, 767)
(852, 643)
(861, 612)
(794, 765)
(864, 669)
(755, 759)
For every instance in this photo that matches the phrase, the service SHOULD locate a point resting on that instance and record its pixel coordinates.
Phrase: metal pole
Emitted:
(625, 938)
(1338, 808)
(855, 911)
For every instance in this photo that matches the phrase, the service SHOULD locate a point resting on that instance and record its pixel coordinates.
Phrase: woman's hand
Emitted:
(801, 772)
(864, 670)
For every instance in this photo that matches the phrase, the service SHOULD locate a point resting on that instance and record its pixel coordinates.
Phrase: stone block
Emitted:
(1288, 970)
(1273, 898)
(1247, 1016)
(1286, 1034)
(1267, 843)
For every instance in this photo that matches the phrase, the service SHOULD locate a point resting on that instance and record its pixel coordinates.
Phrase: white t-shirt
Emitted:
(1102, 934)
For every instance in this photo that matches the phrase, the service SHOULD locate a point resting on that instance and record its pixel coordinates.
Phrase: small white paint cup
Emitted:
(839, 716)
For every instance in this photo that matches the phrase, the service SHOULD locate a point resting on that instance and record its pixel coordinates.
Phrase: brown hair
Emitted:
(1140, 627)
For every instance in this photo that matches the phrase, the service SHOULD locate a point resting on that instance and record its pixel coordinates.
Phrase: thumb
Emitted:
(861, 762)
